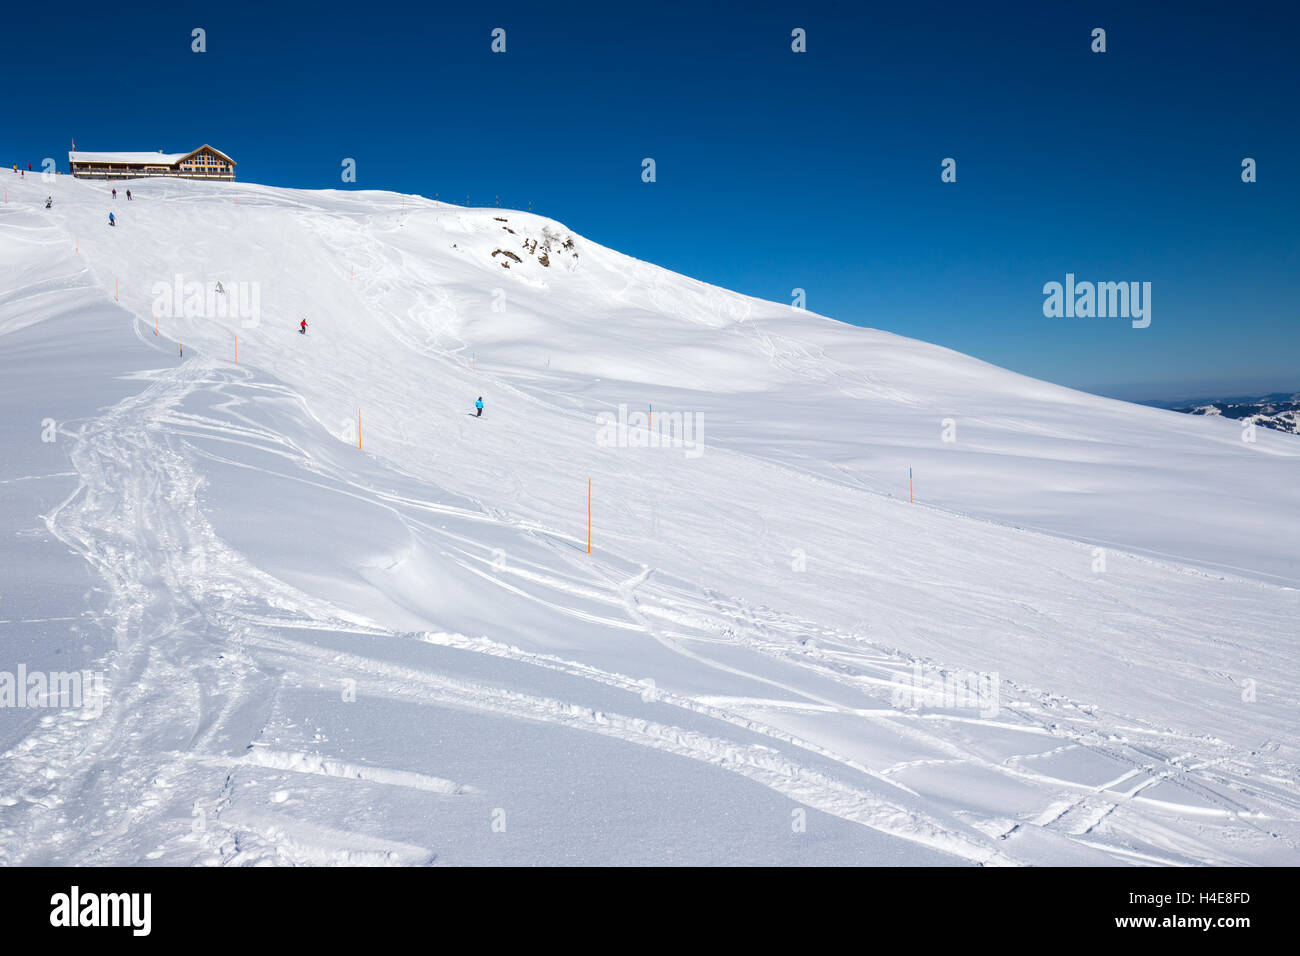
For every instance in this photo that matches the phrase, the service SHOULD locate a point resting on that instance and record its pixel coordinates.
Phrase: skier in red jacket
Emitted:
(302, 329)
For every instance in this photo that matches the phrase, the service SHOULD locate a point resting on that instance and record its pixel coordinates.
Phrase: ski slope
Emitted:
(402, 653)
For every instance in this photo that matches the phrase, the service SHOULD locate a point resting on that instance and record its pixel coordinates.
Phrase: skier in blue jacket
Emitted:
(111, 221)
(479, 406)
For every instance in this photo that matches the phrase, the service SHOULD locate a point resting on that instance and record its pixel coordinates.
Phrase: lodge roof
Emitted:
(143, 159)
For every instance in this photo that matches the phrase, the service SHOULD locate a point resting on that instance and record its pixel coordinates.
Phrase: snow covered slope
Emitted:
(319, 653)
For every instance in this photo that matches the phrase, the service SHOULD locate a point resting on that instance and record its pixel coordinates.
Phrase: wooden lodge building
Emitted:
(202, 163)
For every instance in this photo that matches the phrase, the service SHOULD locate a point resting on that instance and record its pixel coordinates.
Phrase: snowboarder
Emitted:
(302, 328)
(220, 289)
(128, 195)
(111, 220)
(479, 406)
(49, 201)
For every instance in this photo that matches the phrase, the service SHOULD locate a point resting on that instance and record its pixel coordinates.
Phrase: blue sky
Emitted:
(775, 170)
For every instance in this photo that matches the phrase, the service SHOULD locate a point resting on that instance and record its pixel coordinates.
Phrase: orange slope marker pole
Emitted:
(358, 429)
(236, 349)
(589, 516)
(910, 498)
(155, 323)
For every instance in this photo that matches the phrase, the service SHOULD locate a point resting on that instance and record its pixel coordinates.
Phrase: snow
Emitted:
(153, 159)
(157, 159)
(402, 653)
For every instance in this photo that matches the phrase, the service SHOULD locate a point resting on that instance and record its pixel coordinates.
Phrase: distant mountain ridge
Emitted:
(1278, 410)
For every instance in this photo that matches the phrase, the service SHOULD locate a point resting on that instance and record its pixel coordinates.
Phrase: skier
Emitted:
(479, 406)
(302, 329)
(111, 220)
(49, 201)
(128, 195)
(114, 192)
(220, 289)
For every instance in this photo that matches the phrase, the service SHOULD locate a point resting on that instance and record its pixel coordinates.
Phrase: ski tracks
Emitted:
(179, 605)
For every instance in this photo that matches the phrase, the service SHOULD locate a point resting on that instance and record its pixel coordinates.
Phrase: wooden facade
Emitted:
(202, 163)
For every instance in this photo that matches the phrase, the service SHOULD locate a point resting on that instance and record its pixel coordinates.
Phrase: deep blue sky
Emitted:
(776, 170)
